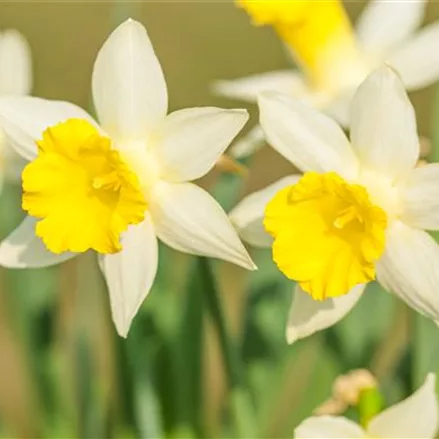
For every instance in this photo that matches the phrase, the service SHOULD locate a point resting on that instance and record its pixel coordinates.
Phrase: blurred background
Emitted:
(63, 370)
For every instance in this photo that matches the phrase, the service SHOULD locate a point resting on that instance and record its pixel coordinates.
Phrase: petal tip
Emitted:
(247, 262)
(430, 380)
(290, 335)
(123, 333)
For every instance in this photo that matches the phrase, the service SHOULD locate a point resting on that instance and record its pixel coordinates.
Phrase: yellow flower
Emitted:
(360, 210)
(119, 185)
(333, 58)
(319, 33)
(79, 186)
(336, 232)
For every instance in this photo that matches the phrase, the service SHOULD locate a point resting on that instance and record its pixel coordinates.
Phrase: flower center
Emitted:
(327, 234)
(318, 33)
(82, 191)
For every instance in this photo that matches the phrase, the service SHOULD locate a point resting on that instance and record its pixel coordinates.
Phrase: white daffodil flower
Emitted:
(86, 184)
(15, 80)
(333, 58)
(414, 417)
(357, 213)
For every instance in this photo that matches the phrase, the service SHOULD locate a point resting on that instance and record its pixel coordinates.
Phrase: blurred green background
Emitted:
(63, 370)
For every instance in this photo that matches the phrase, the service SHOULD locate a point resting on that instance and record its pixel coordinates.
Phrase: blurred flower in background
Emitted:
(360, 207)
(81, 193)
(15, 80)
(333, 60)
(414, 417)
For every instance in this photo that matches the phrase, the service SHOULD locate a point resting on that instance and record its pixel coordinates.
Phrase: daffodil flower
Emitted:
(414, 417)
(333, 59)
(117, 186)
(15, 80)
(359, 211)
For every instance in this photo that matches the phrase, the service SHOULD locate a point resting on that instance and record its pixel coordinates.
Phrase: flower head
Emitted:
(333, 59)
(118, 185)
(358, 211)
(414, 417)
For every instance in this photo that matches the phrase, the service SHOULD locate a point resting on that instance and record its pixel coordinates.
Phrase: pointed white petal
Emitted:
(247, 216)
(409, 268)
(129, 90)
(15, 64)
(420, 198)
(383, 125)
(189, 142)
(415, 417)
(248, 144)
(23, 249)
(248, 88)
(24, 119)
(328, 427)
(308, 316)
(416, 60)
(310, 140)
(383, 24)
(188, 219)
(131, 273)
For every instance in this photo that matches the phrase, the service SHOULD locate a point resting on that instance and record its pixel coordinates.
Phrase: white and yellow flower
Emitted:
(15, 80)
(359, 211)
(414, 417)
(115, 186)
(333, 59)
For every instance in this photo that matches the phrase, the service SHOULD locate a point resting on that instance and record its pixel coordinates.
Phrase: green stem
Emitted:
(241, 404)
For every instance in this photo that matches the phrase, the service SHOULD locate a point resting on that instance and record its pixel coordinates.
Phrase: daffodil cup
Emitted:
(359, 211)
(117, 185)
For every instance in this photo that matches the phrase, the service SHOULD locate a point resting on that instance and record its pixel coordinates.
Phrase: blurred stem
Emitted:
(389, 352)
(241, 404)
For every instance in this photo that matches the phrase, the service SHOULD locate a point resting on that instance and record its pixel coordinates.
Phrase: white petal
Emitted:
(248, 144)
(189, 142)
(248, 214)
(420, 198)
(308, 316)
(383, 125)
(416, 60)
(129, 90)
(328, 427)
(340, 108)
(310, 140)
(248, 88)
(415, 417)
(409, 267)
(188, 219)
(15, 64)
(25, 118)
(130, 273)
(384, 23)
(23, 249)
